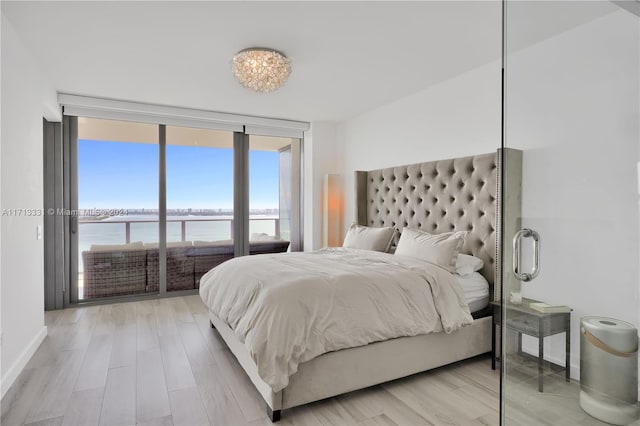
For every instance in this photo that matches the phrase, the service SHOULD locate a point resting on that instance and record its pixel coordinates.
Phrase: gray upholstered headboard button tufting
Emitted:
(459, 194)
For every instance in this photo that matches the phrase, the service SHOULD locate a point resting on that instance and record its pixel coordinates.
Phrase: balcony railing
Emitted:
(182, 222)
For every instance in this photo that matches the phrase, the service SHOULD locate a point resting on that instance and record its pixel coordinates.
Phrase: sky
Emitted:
(125, 175)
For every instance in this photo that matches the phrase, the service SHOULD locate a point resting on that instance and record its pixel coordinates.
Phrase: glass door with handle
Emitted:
(570, 217)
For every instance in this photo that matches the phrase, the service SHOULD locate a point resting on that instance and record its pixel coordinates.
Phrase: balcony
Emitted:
(177, 229)
(121, 255)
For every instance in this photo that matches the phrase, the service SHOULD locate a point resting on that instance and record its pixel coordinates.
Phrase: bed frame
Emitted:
(439, 196)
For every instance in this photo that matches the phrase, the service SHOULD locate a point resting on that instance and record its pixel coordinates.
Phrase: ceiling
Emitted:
(348, 57)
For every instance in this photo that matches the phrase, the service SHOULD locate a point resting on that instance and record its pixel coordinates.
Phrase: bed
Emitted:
(459, 194)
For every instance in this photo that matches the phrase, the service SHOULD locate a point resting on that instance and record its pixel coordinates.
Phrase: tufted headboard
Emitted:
(459, 194)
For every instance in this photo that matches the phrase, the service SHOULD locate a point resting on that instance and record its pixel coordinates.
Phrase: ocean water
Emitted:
(198, 228)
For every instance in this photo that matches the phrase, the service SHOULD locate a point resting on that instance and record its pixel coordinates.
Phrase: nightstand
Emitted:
(524, 320)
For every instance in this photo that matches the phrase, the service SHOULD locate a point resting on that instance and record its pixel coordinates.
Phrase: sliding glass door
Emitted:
(200, 215)
(117, 208)
(154, 207)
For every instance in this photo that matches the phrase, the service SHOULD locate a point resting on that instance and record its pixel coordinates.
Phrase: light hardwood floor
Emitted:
(559, 404)
(158, 362)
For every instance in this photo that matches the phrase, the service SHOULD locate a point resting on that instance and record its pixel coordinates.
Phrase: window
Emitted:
(153, 207)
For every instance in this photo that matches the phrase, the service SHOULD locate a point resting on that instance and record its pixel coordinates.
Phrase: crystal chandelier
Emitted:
(261, 69)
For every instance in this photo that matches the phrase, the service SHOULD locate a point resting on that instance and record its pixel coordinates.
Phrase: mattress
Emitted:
(476, 290)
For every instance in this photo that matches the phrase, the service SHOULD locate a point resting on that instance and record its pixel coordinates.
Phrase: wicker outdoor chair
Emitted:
(134, 268)
(114, 272)
(207, 255)
(180, 266)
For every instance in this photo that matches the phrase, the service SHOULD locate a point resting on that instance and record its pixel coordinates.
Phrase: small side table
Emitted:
(524, 320)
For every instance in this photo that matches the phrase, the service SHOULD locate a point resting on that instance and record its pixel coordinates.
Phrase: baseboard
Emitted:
(574, 369)
(14, 371)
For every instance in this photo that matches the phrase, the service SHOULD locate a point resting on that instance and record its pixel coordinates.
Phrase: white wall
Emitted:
(573, 108)
(323, 154)
(458, 117)
(26, 99)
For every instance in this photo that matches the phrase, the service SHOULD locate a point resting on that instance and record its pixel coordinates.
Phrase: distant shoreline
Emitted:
(175, 216)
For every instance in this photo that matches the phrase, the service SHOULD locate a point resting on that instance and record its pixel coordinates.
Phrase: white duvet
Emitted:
(290, 308)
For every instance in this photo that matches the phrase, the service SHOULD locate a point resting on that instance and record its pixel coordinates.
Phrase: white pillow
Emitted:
(170, 244)
(364, 237)
(441, 249)
(136, 245)
(261, 236)
(212, 243)
(467, 264)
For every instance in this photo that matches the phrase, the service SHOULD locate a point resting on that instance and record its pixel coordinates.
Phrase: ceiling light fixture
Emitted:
(261, 69)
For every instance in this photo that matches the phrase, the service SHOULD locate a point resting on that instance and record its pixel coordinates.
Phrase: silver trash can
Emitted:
(609, 369)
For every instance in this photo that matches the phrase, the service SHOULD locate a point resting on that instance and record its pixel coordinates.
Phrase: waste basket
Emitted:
(609, 369)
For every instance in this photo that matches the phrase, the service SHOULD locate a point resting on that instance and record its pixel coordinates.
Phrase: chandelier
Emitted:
(261, 69)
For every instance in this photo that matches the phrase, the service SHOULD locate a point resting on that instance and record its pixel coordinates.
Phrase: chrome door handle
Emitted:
(526, 233)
